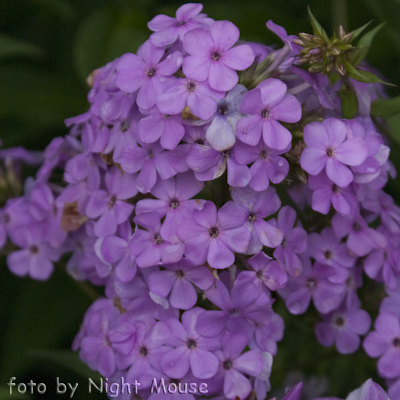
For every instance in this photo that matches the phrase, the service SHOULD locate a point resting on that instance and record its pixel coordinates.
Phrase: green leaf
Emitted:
(333, 77)
(67, 359)
(11, 47)
(105, 35)
(357, 32)
(386, 107)
(349, 101)
(5, 394)
(317, 28)
(364, 44)
(45, 315)
(362, 75)
(61, 8)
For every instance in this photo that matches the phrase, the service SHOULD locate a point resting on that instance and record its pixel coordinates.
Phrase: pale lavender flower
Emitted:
(212, 57)
(268, 103)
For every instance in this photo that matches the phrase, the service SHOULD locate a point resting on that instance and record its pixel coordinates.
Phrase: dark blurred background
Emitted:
(47, 49)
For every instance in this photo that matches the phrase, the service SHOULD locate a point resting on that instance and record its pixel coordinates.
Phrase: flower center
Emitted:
(157, 238)
(356, 227)
(6, 218)
(34, 249)
(214, 232)
(233, 311)
(228, 364)
(259, 274)
(174, 203)
(226, 153)
(263, 155)
(166, 116)
(149, 154)
(252, 216)
(143, 351)
(191, 344)
(339, 321)
(112, 202)
(124, 125)
(200, 142)
(191, 86)
(329, 152)
(284, 243)
(181, 23)
(216, 55)
(265, 113)
(311, 283)
(336, 189)
(179, 273)
(328, 254)
(151, 72)
(223, 109)
(396, 342)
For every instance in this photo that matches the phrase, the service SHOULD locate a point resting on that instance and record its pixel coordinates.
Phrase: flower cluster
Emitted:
(208, 176)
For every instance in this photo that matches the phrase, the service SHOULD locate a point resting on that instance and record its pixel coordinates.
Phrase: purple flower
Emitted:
(294, 241)
(199, 96)
(384, 342)
(268, 103)
(192, 351)
(177, 279)
(312, 283)
(151, 160)
(174, 201)
(267, 165)
(144, 359)
(327, 249)
(343, 327)
(251, 208)
(267, 273)
(362, 239)
(369, 391)
(156, 125)
(233, 365)
(167, 29)
(326, 192)
(36, 255)
(328, 148)
(239, 312)
(221, 133)
(212, 57)
(213, 236)
(110, 206)
(150, 246)
(146, 73)
(210, 164)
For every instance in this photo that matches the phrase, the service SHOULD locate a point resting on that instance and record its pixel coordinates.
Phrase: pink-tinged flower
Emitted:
(233, 365)
(199, 96)
(192, 351)
(150, 246)
(179, 279)
(343, 327)
(213, 236)
(294, 241)
(146, 73)
(384, 342)
(267, 164)
(325, 193)
(327, 148)
(212, 57)
(35, 256)
(110, 205)
(267, 104)
(167, 29)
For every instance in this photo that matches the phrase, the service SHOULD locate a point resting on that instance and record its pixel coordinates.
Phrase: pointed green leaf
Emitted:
(348, 101)
(364, 44)
(362, 75)
(386, 107)
(67, 359)
(317, 28)
(11, 47)
(357, 32)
